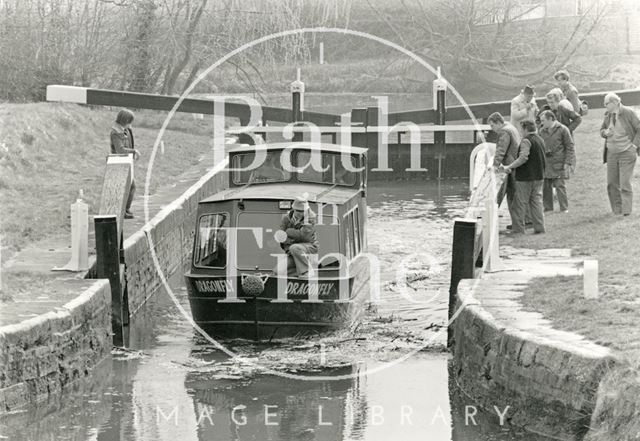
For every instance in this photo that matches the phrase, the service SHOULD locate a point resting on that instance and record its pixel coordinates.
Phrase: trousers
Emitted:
(561, 191)
(301, 256)
(132, 191)
(528, 194)
(619, 173)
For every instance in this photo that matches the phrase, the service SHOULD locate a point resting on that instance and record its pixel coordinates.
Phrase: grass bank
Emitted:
(49, 151)
(590, 229)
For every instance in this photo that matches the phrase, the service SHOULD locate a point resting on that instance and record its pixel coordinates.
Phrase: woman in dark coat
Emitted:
(122, 143)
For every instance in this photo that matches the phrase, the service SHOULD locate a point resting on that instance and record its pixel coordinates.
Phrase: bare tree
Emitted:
(489, 39)
(192, 19)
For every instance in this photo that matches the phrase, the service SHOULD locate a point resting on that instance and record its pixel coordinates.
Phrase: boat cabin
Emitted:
(331, 177)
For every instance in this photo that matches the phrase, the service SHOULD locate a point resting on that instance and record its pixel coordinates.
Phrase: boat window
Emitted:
(253, 256)
(335, 172)
(269, 171)
(353, 233)
(211, 243)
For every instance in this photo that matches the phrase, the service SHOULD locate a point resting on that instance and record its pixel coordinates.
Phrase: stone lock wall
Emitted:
(41, 355)
(171, 232)
(551, 387)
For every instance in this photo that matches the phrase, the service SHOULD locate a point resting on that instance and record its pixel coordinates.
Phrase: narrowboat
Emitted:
(238, 285)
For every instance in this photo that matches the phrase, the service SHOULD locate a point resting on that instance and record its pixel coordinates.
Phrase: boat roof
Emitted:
(286, 190)
(306, 145)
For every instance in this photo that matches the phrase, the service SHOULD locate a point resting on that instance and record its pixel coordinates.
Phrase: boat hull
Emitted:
(263, 316)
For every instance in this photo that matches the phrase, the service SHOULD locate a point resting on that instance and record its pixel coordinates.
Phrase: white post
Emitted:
(590, 278)
(79, 237)
(490, 245)
(321, 52)
(80, 233)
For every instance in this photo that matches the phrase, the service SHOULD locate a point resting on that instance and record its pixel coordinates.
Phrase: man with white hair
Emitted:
(562, 109)
(621, 131)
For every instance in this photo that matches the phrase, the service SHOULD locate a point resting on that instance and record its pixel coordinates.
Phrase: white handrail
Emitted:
(484, 184)
(477, 166)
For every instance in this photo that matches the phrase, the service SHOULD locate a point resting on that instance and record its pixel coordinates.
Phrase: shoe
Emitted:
(626, 214)
(564, 211)
(527, 224)
(128, 215)
(538, 232)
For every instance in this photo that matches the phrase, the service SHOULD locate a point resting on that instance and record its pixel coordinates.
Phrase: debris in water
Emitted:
(127, 354)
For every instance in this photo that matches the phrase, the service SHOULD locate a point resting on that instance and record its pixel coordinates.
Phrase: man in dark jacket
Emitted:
(529, 174)
(621, 131)
(301, 243)
(560, 158)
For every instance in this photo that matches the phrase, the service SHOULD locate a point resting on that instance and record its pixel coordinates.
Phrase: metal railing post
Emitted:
(297, 104)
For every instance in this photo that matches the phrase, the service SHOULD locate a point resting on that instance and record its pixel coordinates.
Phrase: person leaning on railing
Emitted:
(506, 151)
(122, 143)
(621, 131)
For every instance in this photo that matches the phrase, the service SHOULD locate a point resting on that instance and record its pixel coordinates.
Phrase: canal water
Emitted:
(386, 379)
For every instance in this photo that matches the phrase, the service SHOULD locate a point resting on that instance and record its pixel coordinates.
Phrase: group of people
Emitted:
(537, 150)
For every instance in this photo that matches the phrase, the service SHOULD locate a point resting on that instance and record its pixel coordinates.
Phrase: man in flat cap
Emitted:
(524, 107)
(301, 243)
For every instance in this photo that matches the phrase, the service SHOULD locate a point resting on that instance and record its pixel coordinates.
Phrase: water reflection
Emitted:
(267, 407)
(74, 415)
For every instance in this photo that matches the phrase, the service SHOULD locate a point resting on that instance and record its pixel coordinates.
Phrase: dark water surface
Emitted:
(386, 380)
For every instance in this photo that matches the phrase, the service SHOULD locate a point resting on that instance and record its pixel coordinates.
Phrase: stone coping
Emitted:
(58, 313)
